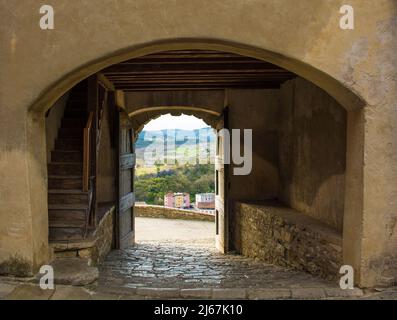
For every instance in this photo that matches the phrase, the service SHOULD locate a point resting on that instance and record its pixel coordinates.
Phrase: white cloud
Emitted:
(171, 122)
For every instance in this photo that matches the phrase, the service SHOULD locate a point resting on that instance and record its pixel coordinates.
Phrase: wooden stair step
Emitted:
(71, 191)
(65, 182)
(65, 206)
(75, 113)
(65, 234)
(73, 123)
(67, 156)
(67, 214)
(72, 223)
(65, 168)
(69, 143)
(70, 133)
(67, 196)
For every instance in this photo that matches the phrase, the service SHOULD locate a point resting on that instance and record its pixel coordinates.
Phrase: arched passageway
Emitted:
(297, 174)
(356, 68)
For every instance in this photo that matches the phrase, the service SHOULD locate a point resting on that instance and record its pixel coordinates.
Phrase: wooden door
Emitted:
(125, 229)
(221, 174)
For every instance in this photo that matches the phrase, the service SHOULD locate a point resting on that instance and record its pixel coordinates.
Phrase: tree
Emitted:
(151, 188)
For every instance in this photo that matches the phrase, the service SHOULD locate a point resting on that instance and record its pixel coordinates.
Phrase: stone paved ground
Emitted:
(196, 264)
(181, 254)
(171, 229)
(11, 290)
(190, 267)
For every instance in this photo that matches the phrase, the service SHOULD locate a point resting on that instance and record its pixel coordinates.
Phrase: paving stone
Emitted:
(118, 290)
(6, 289)
(29, 292)
(385, 295)
(268, 294)
(196, 264)
(308, 293)
(74, 271)
(137, 297)
(337, 292)
(159, 292)
(229, 294)
(104, 296)
(198, 293)
(70, 293)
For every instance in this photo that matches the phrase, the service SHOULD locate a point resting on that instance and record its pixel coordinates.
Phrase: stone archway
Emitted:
(293, 58)
(344, 96)
(349, 100)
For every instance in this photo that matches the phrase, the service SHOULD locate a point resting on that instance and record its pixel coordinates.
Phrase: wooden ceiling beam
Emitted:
(197, 76)
(199, 88)
(192, 81)
(202, 86)
(188, 67)
(195, 70)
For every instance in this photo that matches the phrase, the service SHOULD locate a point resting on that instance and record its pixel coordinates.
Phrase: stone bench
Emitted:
(283, 236)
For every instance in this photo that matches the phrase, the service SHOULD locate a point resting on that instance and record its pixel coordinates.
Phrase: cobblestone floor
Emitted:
(196, 264)
(188, 268)
(167, 256)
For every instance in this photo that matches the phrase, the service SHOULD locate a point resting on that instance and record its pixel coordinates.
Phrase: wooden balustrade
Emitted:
(87, 152)
(97, 102)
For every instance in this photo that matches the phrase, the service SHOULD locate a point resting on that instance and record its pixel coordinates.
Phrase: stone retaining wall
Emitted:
(285, 237)
(151, 211)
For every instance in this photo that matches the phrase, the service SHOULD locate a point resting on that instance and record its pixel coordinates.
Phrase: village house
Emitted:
(205, 201)
(179, 200)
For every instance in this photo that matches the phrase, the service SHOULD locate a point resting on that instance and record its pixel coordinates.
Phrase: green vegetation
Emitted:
(151, 187)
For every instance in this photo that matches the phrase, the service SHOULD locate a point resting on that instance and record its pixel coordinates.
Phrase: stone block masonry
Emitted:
(149, 211)
(286, 237)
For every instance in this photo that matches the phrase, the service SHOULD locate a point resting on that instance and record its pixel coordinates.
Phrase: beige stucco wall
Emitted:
(39, 66)
(256, 110)
(204, 104)
(312, 152)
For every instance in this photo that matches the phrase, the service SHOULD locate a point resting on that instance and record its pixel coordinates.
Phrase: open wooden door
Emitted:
(125, 229)
(221, 174)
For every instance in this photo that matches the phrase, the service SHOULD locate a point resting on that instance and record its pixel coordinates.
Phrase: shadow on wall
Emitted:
(312, 152)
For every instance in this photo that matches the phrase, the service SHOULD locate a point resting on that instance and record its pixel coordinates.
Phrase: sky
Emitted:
(180, 122)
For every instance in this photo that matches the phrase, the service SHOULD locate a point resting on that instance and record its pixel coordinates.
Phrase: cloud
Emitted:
(171, 122)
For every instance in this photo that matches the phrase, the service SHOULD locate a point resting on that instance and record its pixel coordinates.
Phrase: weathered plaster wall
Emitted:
(106, 163)
(187, 102)
(312, 152)
(303, 37)
(53, 123)
(255, 110)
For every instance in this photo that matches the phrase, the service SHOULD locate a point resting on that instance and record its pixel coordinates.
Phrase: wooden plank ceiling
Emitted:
(195, 70)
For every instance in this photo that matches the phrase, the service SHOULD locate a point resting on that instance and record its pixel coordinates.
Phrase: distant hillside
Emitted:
(180, 136)
(188, 145)
(153, 180)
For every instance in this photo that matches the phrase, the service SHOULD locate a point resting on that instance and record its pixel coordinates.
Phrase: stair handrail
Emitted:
(86, 152)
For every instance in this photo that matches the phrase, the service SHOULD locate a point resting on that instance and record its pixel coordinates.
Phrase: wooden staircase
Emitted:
(68, 205)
